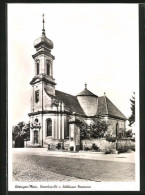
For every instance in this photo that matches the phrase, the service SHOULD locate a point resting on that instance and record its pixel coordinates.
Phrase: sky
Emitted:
(93, 43)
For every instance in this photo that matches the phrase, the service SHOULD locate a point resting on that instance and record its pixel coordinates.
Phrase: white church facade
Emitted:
(51, 110)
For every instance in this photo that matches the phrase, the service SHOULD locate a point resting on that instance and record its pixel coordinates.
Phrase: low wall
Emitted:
(104, 145)
(101, 143)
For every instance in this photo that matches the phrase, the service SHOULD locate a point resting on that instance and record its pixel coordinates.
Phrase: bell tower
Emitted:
(43, 63)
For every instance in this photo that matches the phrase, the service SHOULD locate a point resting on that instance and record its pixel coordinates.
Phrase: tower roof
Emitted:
(86, 92)
(43, 40)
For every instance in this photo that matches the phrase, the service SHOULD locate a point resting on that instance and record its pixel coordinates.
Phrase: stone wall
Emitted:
(112, 125)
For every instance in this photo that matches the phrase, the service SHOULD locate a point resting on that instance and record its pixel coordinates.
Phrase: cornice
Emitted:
(43, 52)
(38, 79)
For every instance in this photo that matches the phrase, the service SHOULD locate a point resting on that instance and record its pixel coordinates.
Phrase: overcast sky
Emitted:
(93, 43)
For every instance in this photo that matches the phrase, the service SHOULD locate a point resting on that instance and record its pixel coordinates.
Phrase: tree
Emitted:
(26, 131)
(83, 130)
(132, 117)
(97, 129)
(22, 129)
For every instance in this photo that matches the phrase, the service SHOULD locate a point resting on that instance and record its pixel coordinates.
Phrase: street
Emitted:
(38, 164)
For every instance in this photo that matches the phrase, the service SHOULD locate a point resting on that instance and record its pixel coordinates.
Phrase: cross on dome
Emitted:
(43, 30)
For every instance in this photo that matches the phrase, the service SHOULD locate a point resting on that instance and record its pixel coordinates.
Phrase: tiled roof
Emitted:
(113, 110)
(101, 106)
(71, 103)
(86, 92)
(105, 106)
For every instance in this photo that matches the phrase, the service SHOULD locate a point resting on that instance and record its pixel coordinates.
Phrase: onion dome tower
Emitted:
(43, 59)
(88, 101)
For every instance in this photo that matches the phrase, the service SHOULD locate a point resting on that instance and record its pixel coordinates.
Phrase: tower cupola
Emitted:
(43, 42)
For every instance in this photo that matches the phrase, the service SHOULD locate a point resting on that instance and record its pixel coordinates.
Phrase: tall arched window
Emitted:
(37, 96)
(117, 128)
(49, 127)
(37, 68)
(48, 69)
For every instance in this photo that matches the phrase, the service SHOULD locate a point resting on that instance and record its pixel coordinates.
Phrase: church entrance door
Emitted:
(35, 137)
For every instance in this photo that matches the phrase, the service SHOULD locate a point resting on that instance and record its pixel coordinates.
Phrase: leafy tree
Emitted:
(22, 129)
(132, 117)
(97, 129)
(26, 131)
(83, 130)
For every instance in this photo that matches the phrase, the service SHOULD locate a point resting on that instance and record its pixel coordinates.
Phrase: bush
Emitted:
(128, 133)
(48, 147)
(58, 146)
(71, 148)
(110, 138)
(120, 133)
(95, 147)
(87, 148)
(123, 147)
(109, 150)
(132, 147)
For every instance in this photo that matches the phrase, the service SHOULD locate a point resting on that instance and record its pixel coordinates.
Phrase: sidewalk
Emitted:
(123, 157)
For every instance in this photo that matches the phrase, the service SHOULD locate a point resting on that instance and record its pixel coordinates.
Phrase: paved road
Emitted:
(40, 165)
(123, 157)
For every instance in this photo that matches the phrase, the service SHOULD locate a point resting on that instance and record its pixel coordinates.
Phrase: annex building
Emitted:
(52, 111)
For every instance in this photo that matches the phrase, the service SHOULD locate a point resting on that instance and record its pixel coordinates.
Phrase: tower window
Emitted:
(37, 68)
(48, 69)
(49, 127)
(37, 96)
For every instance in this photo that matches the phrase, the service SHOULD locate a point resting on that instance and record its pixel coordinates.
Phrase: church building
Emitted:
(52, 110)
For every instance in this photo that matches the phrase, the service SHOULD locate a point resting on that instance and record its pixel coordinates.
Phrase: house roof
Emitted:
(71, 103)
(106, 107)
(86, 92)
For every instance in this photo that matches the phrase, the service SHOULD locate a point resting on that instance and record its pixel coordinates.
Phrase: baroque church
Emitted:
(53, 112)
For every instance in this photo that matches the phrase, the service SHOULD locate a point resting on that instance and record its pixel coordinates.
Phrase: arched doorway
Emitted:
(35, 137)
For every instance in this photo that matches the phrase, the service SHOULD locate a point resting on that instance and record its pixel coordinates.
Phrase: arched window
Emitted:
(37, 67)
(49, 127)
(37, 96)
(117, 128)
(48, 69)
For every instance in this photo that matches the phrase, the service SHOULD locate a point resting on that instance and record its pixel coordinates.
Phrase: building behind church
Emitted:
(52, 110)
